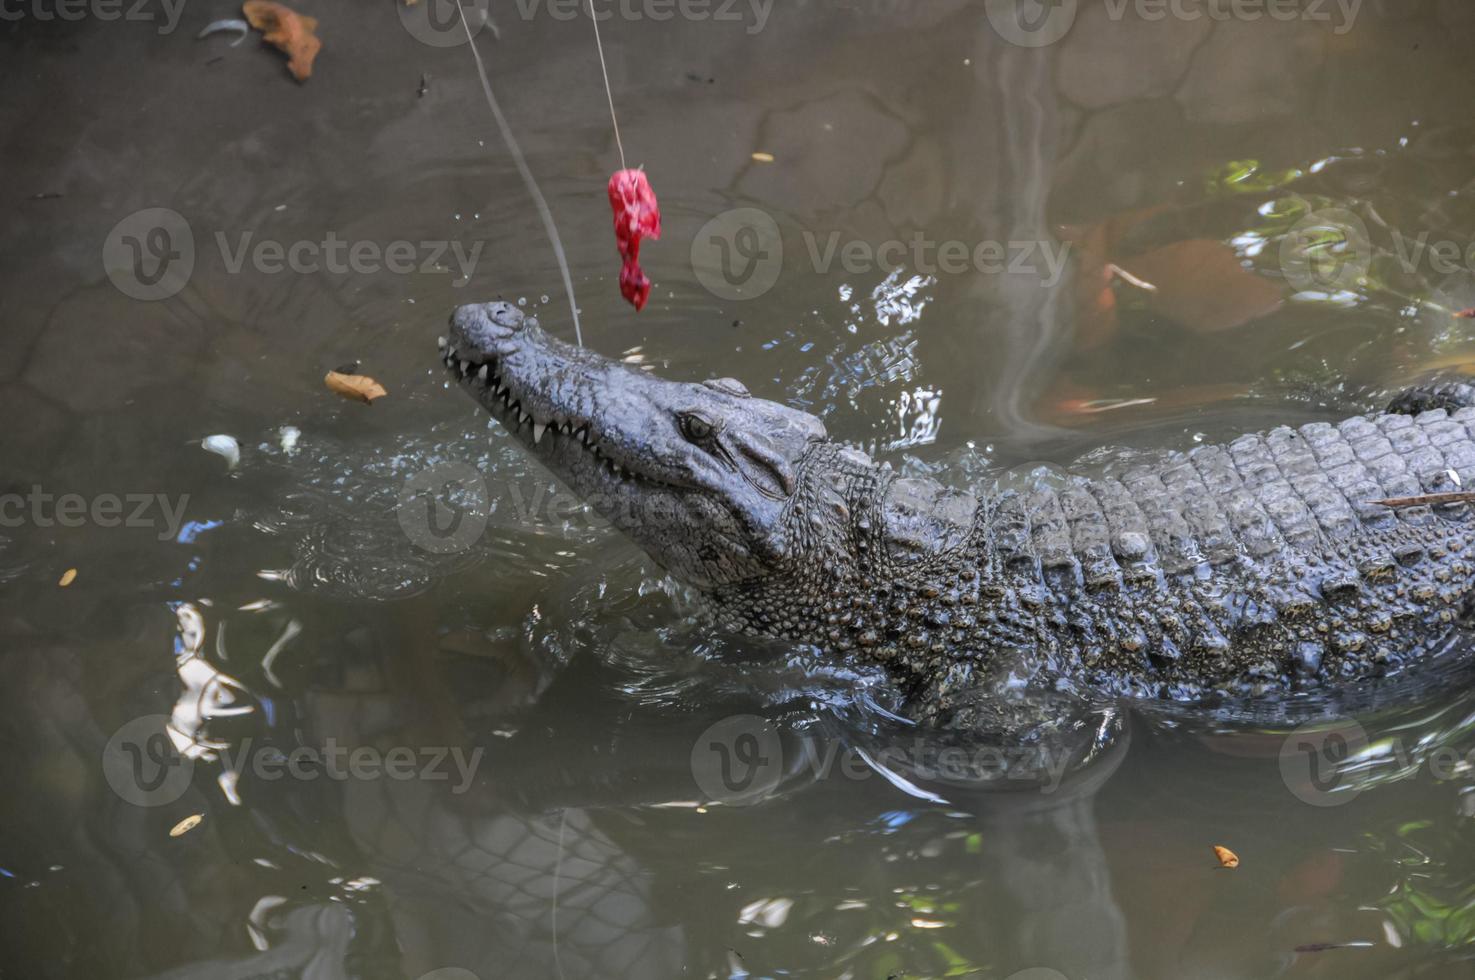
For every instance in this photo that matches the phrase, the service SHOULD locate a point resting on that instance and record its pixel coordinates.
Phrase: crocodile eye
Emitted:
(696, 428)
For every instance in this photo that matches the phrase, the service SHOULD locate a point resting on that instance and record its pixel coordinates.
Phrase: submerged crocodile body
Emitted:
(1264, 565)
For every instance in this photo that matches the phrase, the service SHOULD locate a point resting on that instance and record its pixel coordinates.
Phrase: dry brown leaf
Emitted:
(1468, 314)
(68, 577)
(1227, 858)
(293, 33)
(355, 387)
(186, 825)
(762, 157)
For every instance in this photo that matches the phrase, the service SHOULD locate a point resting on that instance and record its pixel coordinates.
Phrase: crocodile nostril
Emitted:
(505, 315)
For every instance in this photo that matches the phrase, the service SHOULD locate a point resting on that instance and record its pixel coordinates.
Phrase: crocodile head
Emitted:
(705, 477)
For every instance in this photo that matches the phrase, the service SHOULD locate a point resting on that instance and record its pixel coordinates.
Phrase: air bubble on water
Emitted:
(1199, 437)
(457, 216)
(522, 301)
(543, 298)
(477, 216)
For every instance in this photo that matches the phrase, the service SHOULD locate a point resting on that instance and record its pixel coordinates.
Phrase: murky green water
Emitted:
(519, 753)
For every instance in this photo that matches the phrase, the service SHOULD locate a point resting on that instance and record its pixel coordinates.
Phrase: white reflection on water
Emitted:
(206, 693)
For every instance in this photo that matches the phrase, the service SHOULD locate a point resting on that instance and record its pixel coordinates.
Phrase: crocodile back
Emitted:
(1266, 562)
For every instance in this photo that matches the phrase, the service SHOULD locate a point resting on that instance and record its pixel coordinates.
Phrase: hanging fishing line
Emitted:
(527, 177)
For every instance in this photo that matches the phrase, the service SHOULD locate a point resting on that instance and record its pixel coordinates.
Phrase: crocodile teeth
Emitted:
(538, 428)
(440, 342)
(482, 374)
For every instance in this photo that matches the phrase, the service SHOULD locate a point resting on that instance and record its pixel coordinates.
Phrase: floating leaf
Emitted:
(293, 33)
(186, 825)
(67, 577)
(1227, 858)
(354, 387)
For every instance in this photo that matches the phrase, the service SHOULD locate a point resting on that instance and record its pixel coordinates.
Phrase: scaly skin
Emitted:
(1255, 567)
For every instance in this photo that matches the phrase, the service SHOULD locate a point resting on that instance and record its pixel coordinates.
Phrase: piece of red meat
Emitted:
(637, 215)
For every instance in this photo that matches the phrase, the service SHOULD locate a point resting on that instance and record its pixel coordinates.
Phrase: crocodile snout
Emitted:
(478, 329)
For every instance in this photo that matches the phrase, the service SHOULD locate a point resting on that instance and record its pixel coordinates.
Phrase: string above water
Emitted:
(527, 175)
(608, 94)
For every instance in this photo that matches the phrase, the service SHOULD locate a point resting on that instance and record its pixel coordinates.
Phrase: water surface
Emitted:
(546, 700)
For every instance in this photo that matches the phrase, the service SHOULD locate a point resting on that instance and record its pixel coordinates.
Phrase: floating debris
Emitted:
(219, 26)
(186, 825)
(354, 387)
(223, 445)
(1452, 497)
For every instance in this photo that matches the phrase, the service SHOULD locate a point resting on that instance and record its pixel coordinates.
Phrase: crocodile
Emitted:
(1277, 563)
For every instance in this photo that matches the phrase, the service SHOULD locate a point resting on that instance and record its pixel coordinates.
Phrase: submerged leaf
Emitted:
(1202, 285)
